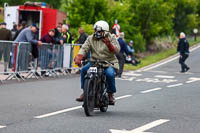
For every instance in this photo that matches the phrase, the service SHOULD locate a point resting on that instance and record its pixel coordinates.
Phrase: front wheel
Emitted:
(104, 104)
(89, 97)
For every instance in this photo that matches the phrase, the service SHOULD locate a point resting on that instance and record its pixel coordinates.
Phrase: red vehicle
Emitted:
(46, 18)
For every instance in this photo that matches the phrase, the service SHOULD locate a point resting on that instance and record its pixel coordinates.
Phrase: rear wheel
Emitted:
(89, 97)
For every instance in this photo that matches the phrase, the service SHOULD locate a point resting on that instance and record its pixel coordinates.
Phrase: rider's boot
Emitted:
(111, 99)
(80, 99)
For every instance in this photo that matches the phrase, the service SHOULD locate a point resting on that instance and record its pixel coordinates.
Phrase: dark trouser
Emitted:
(121, 60)
(182, 60)
(5, 53)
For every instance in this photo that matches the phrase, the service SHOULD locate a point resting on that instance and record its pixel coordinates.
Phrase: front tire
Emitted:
(89, 97)
(105, 102)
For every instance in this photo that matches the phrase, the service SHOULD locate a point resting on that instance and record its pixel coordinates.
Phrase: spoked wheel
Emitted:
(105, 102)
(89, 97)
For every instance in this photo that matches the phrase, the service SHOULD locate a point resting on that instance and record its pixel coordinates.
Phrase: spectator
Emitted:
(66, 35)
(83, 36)
(58, 36)
(14, 30)
(120, 55)
(67, 38)
(183, 49)
(27, 35)
(46, 62)
(49, 37)
(20, 27)
(6, 35)
(132, 59)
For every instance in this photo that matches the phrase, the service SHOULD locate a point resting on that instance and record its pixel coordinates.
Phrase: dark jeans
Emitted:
(121, 60)
(182, 60)
(5, 51)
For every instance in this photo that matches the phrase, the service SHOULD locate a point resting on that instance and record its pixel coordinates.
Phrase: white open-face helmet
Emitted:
(101, 25)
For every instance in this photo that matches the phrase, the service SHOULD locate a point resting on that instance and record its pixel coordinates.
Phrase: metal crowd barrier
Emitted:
(6, 62)
(22, 60)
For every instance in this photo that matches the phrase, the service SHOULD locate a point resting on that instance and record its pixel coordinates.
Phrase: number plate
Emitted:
(93, 69)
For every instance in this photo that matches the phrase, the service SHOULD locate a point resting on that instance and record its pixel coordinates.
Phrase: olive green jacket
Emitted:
(99, 50)
(5, 34)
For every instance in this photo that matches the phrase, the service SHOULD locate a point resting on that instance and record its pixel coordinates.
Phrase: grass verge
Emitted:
(157, 56)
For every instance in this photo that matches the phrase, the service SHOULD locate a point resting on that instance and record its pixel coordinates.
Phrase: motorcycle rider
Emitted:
(102, 45)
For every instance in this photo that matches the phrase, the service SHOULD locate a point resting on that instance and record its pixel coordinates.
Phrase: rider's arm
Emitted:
(115, 43)
(112, 43)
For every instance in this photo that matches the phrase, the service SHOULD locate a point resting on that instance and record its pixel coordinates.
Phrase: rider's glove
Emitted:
(78, 59)
(109, 44)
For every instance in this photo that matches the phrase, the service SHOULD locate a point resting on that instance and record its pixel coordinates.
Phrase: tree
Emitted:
(120, 12)
(153, 17)
(185, 15)
(140, 19)
(88, 11)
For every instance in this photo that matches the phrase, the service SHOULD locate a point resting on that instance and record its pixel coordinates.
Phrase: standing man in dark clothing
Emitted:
(6, 35)
(83, 36)
(58, 36)
(183, 49)
(120, 55)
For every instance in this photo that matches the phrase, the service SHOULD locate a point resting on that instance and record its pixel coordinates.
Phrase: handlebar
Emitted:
(97, 61)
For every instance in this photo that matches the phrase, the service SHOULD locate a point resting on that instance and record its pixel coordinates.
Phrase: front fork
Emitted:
(103, 90)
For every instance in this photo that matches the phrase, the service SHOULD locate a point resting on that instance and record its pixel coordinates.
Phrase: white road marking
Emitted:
(163, 72)
(193, 79)
(155, 89)
(175, 85)
(156, 80)
(165, 61)
(127, 78)
(58, 112)
(194, 48)
(131, 74)
(165, 76)
(118, 98)
(160, 64)
(142, 129)
(71, 109)
(2, 126)
(138, 71)
(186, 73)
